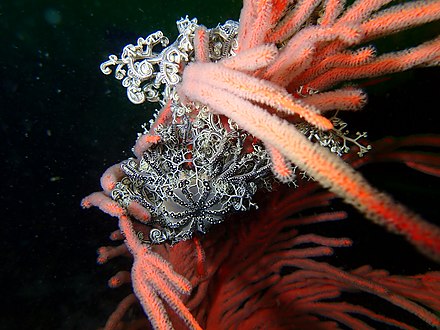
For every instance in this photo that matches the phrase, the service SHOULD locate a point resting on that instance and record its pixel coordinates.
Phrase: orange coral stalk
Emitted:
(320, 240)
(110, 177)
(252, 59)
(116, 317)
(247, 15)
(260, 25)
(201, 258)
(201, 48)
(341, 99)
(281, 168)
(106, 253)
(278, 7)
(385, 22)
(255, 89)
(427, 169)
(330, 272)
(342, 59)
(166, 292)
(121, 277)
(144, 142)
(149, 300)
(388, 63)
(152, 277)
(401, 17)
(104, 203)
(293, 21)
(321, 164)
(360, 10)
(303, 46)
(139, 212)
(332, 9)
(322, 217)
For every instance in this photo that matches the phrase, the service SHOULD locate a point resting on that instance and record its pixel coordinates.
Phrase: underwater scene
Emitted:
(266, 164)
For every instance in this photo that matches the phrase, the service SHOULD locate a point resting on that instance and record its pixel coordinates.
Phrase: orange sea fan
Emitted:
(260, 269)
(239, 94)
(228, 92)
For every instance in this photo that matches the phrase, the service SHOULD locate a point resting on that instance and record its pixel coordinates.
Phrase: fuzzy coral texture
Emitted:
(260, 270)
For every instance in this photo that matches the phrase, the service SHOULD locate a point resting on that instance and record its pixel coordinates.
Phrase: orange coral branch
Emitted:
(254, 89)
(291, 24)
(201, 47)
(398, 18)
(281, 168)
(324, 166)
(360, 10)
(341, 99)
(332, 9)
(260, 25)
(252, 59)
(388, 63)
(341, 60)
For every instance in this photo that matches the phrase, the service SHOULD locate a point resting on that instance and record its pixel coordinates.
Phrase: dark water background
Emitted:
(63, 123)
